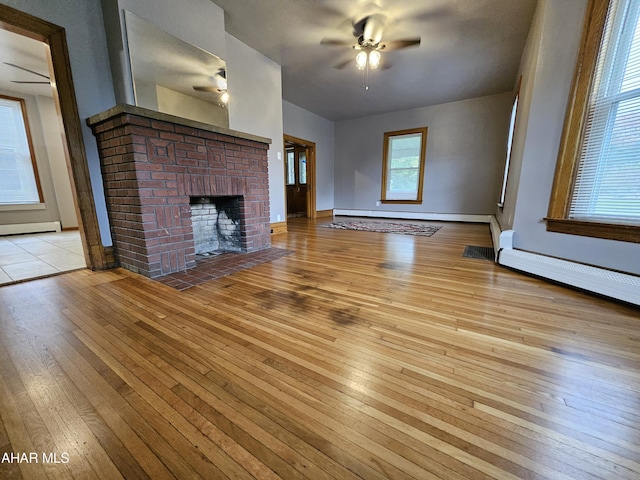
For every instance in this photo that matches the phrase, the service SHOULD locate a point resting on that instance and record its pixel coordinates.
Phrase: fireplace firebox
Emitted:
(216, 224)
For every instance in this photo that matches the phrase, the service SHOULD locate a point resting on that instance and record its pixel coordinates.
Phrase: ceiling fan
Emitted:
(220, 90)
(369, 45)
(35, 82)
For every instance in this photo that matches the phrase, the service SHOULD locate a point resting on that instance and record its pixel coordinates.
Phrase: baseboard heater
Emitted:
(434, 217)
(616, 285)
(23, 228)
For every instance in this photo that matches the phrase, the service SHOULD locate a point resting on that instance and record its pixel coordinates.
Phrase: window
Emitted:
(512, 131)
(18, 173)
(597, 186)
(291, 168)
(302, 168)
(403, 165)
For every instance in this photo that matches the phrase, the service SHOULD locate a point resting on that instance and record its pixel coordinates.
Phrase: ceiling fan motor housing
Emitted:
(373, 27)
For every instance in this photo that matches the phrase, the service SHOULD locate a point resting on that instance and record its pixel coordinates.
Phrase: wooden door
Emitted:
(296, 176)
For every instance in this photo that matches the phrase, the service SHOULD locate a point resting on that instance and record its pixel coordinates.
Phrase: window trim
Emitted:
(513, 123)
(34, 165)
(572, 137)
(385, 163)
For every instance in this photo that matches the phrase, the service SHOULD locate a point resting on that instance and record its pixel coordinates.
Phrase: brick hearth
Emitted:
(153, 163)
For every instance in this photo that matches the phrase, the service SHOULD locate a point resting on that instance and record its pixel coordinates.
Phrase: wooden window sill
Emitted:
(609, 231)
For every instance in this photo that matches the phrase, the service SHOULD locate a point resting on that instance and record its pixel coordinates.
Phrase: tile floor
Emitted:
(23, 257)
(220, 266)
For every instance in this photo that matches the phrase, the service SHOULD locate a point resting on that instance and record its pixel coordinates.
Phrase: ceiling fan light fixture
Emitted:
(361, 60)
(374, 59)
(224, 98)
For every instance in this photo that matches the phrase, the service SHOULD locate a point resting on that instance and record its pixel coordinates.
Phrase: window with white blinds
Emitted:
(607, 184)
(18, 184)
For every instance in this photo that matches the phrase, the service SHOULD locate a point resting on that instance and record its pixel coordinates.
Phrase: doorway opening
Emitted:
(54, 74)
(300, 177)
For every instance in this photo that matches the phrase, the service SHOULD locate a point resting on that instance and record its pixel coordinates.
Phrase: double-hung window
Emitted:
(597, 186)
(510, 137)
(403, 165)
(18, 173)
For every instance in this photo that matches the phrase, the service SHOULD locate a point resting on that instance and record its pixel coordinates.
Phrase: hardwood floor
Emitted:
(360, 355)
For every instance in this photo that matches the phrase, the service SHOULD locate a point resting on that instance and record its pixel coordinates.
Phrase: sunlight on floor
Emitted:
(31, 256)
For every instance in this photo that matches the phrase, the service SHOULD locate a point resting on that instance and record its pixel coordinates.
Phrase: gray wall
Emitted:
(303, 124)
(547, 72)
(48, 210)
(466, 145)
(51, 127)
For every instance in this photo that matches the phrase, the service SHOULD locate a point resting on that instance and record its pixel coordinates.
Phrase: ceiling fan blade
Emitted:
(30, 83)
(358, 27)
(336, 42)
(399, 44)
(343, 64)
(206, 88)
(26, 70)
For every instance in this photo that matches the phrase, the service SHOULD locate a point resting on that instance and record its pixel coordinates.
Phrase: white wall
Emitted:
(301, 123)
(547, 72)
(255, 107)
(466, 145)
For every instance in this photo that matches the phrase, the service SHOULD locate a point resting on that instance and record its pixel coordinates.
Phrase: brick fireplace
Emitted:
(156, 167)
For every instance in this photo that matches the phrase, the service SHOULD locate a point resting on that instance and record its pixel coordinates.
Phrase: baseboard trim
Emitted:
(495, 235)
(278, 228)
(110, 257)
(23, 228)
(440, 217)
(324, 213)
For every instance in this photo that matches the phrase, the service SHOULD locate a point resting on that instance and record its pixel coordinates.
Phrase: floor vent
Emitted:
(483, 253)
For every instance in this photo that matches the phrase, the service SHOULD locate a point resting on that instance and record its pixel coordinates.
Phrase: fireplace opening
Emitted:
(216, 223)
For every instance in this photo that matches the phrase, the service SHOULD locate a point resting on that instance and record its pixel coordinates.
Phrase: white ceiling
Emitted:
(469, 48)
(27, 53)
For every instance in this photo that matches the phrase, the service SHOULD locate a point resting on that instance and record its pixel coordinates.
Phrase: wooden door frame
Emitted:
(311, 174)
(65, 99)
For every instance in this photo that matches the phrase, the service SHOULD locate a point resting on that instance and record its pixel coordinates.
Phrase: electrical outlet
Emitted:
(378, 203)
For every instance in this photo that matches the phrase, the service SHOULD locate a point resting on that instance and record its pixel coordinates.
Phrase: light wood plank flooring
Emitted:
(360, 355)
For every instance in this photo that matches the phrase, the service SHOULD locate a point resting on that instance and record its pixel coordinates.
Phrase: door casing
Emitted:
(311, 172)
